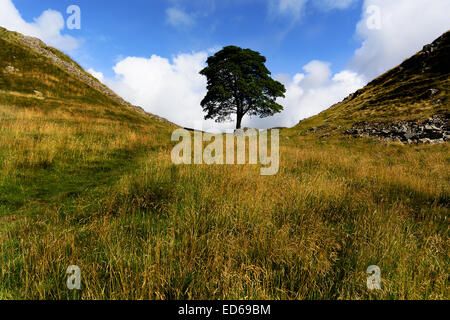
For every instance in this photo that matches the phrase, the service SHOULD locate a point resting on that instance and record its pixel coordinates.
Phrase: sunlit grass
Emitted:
(103, 194)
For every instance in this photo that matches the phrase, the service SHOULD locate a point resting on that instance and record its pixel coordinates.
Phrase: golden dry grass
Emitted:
(103, 194)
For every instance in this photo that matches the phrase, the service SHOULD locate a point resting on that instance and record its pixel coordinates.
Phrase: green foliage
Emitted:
(239, 83)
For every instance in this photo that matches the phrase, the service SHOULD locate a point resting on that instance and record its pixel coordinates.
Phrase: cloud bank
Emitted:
(171, 88)
(310, 93)
(47, 27)
(405, 27)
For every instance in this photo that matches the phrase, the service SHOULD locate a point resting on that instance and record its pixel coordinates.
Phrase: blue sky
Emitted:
(151, 51)
(111, 30)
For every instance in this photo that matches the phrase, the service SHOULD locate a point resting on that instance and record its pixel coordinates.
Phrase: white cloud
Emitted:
(47, 27)
(178, 18)
(294, 8)
(169, 88)
(310, 93)
(406, 26)
(98, 75)
(288, 7)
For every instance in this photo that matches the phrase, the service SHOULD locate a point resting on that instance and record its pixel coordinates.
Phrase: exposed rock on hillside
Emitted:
(432, 131)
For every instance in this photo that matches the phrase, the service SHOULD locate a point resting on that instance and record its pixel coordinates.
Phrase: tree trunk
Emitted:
(239, 114)
(239, 121)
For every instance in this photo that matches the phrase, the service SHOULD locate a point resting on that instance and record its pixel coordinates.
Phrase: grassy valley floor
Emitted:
(78, 188)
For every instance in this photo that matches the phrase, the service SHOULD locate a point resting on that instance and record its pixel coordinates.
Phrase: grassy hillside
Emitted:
(88, 182)
(402, 93)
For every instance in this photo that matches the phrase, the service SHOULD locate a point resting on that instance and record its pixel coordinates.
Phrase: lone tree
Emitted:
(239, 83)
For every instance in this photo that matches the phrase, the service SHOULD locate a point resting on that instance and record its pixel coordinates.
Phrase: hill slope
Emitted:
(415, 90)
(61, 130)
(30, 70)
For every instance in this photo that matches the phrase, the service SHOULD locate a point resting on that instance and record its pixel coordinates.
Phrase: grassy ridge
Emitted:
(37, 82)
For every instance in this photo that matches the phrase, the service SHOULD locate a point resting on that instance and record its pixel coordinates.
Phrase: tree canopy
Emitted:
(239, 83)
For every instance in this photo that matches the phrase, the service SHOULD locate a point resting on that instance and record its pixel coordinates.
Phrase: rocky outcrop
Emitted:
(430, 50)
(39, 46)
(353, 95)
(431, 131)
